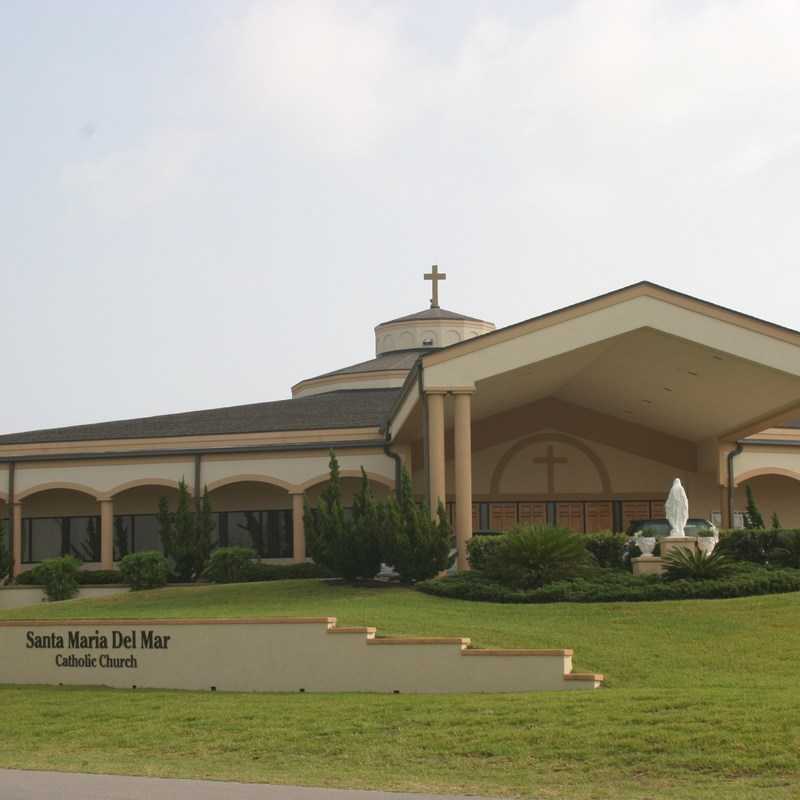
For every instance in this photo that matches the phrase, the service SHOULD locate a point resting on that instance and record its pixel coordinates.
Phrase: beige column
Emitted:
(107, 533)
(436, 464)
(298, 528)
(16, 534)
(463, 474)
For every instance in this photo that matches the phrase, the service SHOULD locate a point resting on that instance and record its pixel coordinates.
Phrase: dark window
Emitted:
(51, 537)
(134, 533)
(269, 533)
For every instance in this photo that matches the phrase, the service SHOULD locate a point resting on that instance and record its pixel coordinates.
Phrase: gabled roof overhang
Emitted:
(750, 367)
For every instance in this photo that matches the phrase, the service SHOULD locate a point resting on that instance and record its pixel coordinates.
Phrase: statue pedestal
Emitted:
(670, 543)
(644, 565)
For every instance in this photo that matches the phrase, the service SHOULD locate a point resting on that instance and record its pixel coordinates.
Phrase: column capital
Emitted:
(297, 491)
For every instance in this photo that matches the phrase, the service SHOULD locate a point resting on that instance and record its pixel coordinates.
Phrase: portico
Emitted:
(582, 418)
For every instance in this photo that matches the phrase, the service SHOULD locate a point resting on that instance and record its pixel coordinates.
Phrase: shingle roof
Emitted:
(357, 408)
(398, 359)
(434, 313)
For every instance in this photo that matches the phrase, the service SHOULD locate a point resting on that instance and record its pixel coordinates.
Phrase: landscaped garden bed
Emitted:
(617, 586)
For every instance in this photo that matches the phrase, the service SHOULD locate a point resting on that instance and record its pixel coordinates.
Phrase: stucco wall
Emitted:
(773, 494)
(271, 656)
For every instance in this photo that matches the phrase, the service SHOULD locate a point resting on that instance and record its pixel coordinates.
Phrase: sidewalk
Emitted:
(29, 785)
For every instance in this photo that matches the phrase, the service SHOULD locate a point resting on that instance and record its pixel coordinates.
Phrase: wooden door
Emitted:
(502, 516)
(634, 509)
(533, 513)
(599, 516)
(570, 515)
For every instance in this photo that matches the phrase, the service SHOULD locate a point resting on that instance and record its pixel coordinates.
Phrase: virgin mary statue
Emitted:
(677, 508)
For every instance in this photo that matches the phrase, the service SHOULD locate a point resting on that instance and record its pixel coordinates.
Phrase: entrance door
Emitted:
(570, 515)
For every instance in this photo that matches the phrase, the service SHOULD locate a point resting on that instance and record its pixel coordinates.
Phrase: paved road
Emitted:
(26, 785)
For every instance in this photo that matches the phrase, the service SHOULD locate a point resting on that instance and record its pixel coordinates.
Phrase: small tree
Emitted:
(5, 553)
(415, 544)
(349, 548)
(776, 523)
(186, 534)
(752, 516)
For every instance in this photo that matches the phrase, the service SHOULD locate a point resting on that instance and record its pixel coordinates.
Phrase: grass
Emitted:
(702, 702)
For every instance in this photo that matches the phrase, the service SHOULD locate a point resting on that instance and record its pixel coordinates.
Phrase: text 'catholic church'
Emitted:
(581, 417)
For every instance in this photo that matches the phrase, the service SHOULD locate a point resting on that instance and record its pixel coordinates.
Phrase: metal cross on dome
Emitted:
(435, 276)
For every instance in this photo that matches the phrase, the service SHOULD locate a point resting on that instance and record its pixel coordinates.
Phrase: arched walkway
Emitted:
(256, 512)
(58, 520)
(775, 492)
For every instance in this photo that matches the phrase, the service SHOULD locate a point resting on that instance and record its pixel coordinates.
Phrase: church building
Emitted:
(581, 417)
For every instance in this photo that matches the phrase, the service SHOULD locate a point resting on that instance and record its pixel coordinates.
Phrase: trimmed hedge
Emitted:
(617, 586)
(98, 577)
(778, 547)
(284, 572)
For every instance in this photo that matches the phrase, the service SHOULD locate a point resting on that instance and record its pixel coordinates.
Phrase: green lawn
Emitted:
(701, 702)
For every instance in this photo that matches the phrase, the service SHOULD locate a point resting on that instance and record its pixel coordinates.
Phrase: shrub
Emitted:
(145, 570)
(5, 554)
(786, 551)
(752, 516)
(529, 557)
(349, 548)
(280, 572)
(99, 577)
(616, 586)
(695, 565)
(749, 545)
(415, 544)
(607, 548)
(481, 549)
(230, 564)
(186, 534)
(58, 576)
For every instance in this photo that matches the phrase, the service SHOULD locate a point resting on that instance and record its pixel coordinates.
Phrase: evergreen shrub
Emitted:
(58, 576)
(414, 543)
(230, 564)
(186, 535)
(5, 554)
(617, 586)
(304, 570)
(100, 577)
(607, 548)
(762, 546)
(348, 546)
(145, 570)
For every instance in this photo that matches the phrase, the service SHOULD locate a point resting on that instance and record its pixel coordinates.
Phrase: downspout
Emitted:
(398, 465)
(425, 455)
(731, 489)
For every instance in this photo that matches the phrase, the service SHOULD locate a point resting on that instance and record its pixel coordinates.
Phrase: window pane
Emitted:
(84, 538)
(43, 539)
(123, 536)
(146, 533)
(245, 529)
(279, 534)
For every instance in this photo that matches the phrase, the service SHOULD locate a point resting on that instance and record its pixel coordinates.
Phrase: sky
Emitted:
(202, 203)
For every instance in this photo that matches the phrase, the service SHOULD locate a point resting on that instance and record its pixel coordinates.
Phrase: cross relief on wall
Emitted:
(550, 460)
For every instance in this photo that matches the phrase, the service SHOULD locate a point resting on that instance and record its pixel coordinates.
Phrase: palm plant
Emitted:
(695, 565)
(529, 557)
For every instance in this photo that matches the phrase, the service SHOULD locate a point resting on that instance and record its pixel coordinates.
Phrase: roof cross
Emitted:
(435, 276)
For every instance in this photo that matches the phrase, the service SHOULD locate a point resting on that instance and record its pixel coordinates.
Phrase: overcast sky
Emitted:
(203, 202)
